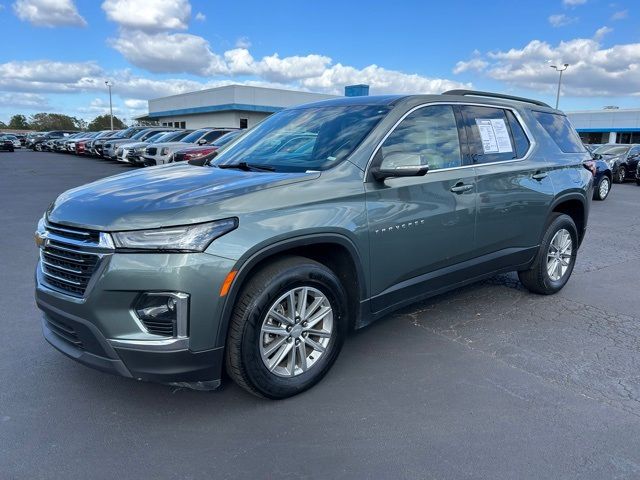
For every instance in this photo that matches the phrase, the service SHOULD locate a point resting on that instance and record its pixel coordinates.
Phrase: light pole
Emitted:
(108, 84)
(559, 69)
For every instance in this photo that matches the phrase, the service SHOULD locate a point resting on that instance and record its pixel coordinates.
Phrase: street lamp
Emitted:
(109, 84)
(559, 69)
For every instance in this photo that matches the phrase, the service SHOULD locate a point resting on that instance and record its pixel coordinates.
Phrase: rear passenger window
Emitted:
(561, 131)
(493, 134)
(430, 134)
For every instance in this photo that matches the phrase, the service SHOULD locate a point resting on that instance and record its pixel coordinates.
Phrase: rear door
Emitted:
(419, 225)
(513, 183)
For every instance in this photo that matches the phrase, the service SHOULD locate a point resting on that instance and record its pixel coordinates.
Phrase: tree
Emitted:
(19, 122)
(103, 122)
(3, 125)
(54, 121)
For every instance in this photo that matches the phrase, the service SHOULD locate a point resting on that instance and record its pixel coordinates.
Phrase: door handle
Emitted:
(461, 188)
(539, 175)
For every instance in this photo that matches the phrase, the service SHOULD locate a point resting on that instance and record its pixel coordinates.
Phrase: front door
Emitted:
(418, 225)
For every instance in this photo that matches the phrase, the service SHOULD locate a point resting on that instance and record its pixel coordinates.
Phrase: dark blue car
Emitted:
(602, 180)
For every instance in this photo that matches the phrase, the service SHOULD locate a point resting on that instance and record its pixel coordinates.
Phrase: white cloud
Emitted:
(621, 15)
(476, 64)
(560, 20)
(243, 42)
(201, 17)
(573, 3)
(30, 101)
(48, 71)
(49, 13)
(192, 54)
(169, 53)
(149, 15)
(135, 103)
(593, 70)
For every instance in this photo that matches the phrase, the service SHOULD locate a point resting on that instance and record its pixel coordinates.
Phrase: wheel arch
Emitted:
(335, 251)
(574, 205)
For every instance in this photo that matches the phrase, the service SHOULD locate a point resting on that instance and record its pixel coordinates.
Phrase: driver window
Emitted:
(429, 134)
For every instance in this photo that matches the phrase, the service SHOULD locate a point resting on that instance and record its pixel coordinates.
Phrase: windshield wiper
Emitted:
(247, 167)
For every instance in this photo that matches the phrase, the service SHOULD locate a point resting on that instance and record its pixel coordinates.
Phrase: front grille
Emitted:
(65, 332)
(151, 151)
(66, 262)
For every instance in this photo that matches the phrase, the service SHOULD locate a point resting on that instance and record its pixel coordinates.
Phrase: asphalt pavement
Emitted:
(488, 381)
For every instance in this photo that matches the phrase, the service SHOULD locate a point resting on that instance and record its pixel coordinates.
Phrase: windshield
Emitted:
(140, 135)
(194, 136)
(612, 149)
(154, 138)
(172, 136)
(227, 137)
(304, 139)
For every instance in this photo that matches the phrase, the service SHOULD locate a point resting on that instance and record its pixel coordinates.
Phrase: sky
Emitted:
(57, 54)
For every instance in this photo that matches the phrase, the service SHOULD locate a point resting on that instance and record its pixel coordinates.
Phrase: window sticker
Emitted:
(494, 135)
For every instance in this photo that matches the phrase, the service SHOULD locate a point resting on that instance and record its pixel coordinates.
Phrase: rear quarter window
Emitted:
(561, 131)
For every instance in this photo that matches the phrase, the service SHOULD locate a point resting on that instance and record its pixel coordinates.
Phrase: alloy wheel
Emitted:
(296, 331)
(603, 189)
(559, 254)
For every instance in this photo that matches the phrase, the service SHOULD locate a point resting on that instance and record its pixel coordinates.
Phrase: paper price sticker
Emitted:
(494, 135)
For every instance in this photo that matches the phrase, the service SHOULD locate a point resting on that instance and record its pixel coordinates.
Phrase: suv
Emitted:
(162, 153)
(262, 259)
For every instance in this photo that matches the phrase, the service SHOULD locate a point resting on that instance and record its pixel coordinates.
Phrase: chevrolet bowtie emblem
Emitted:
(41, 239)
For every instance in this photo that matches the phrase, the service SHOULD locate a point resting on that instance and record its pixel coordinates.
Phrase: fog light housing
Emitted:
(164, 313)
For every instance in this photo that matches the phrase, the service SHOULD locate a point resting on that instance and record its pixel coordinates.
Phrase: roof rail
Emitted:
(478, 93)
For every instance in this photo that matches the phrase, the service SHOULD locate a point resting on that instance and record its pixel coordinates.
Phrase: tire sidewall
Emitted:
(267, 383)
(559, 223)
(622, 174)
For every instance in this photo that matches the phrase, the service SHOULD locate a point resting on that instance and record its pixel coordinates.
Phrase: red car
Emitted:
(192, 153)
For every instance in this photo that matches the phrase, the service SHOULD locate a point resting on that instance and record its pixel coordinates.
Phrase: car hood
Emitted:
(172, 145)
(176, 194)
(134, 145)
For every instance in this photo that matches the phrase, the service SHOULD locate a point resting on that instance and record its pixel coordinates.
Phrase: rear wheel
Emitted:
(602, 188)
(287, 329)
(621, 175)
(556, 257)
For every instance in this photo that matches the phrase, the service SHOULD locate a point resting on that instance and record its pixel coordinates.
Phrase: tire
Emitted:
(621, 174)
(246, 354)
(638, 181)
(537, 278)
(602, 188)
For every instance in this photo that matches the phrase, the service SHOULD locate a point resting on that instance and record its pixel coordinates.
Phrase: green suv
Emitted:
(321, 219)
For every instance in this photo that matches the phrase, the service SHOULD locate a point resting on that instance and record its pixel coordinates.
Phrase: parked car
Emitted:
(192, 153)
(161, 153)
(133, 134)
(81, 143)
(622, 159)
(39, 143)
(13, 139)
(60, 144)
(6, 145)
(260, 262)
(603, 178)
(103, 135)
(638, 174)
(135, 152)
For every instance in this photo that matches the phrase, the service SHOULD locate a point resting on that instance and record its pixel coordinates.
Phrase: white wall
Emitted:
(217, 119)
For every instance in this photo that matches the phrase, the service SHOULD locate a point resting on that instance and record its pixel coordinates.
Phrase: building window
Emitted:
(244, 123)
(164, 124)
(183, 124)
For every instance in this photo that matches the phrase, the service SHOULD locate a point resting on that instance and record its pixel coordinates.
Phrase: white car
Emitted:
(15, 140)
(161, 153)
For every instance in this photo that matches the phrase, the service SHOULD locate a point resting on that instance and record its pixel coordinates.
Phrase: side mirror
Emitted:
(597, 156)
(202, 141)
(400, 165)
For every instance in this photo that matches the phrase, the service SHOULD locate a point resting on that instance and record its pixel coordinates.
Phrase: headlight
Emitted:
(187, 238)
(164, 151)
(610, 162)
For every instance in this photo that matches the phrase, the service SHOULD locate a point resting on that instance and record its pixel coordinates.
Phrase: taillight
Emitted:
(591, 166)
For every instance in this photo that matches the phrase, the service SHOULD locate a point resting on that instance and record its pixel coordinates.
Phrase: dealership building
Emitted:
(609, 125)
(242, 106)
(235, 106)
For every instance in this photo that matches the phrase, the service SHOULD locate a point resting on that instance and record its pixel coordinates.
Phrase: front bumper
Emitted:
(102, 331)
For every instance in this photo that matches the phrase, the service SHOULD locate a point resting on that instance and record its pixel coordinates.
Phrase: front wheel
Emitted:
(621, 175)
(555, 259)
(602, 189)
(287, 328)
